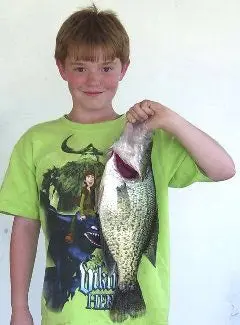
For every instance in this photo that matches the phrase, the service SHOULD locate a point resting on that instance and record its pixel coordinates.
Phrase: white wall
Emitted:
(185, 54)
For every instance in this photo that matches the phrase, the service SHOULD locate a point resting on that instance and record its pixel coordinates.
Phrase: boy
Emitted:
(47, 170)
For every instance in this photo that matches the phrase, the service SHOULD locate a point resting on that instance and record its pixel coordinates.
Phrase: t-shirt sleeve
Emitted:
(187, 172)
(181, 169)
(19, 192)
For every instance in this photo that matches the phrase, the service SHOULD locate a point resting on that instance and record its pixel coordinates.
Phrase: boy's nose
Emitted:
(93, 78)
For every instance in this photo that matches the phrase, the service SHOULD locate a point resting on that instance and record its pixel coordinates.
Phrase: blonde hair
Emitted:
(89, 32)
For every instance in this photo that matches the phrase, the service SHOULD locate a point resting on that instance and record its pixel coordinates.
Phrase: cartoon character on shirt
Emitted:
(86, 204)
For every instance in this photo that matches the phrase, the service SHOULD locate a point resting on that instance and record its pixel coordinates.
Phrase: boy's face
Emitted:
(92, 84)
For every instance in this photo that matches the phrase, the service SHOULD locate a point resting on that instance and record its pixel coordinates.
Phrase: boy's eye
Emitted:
(107, 69)
(79, 69)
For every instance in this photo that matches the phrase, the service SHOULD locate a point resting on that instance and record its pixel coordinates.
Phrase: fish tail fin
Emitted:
(127, 301)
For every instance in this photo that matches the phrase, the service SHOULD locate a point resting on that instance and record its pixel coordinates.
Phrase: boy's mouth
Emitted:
(93, 93)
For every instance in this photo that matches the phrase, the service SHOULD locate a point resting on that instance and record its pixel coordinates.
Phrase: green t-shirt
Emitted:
(53, 176)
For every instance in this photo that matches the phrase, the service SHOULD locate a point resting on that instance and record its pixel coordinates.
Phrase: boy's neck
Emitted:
(91, 117)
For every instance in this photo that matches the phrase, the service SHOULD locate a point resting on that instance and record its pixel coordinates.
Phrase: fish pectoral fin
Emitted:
(151, 247)
(107, 256)
(123, 200)
(122, 191)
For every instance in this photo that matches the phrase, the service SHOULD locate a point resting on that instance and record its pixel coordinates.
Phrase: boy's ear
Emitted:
(124, 70)
(61, 69)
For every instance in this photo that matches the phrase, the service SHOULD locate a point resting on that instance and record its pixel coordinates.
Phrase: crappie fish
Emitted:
(128, 217)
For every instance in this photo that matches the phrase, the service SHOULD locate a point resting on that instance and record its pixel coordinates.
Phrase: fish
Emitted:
(128, 217)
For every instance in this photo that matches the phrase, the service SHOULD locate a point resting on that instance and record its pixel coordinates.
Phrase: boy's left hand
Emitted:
(153, 114)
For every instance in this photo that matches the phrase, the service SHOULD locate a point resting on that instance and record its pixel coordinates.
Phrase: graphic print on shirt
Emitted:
(68, 197)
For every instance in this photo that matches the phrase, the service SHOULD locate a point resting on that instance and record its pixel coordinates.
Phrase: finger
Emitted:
(146, 107)
(133, 111)
(139, 113)
(130, 118)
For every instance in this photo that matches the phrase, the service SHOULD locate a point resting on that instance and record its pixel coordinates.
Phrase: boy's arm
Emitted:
(208, 154)
(23, 246)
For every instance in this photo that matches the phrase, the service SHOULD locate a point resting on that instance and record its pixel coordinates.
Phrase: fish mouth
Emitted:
(126, 170)
(93, 237)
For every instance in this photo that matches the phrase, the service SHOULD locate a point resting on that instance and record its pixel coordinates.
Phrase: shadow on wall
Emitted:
(235, 312)
(234, 300)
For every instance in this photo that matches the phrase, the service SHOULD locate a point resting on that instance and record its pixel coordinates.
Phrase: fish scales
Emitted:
(124, 223)
(128, 215)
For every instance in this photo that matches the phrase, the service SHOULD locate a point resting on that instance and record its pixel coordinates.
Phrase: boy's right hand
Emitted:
(21, 316)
